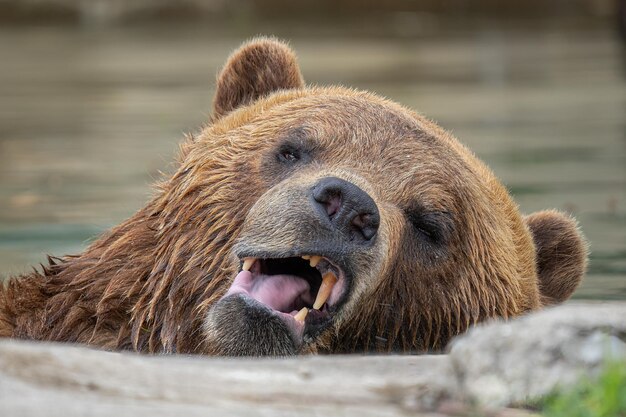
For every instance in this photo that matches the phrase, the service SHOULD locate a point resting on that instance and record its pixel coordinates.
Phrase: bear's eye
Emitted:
(287, 154)
(292, 152)
(434, 227)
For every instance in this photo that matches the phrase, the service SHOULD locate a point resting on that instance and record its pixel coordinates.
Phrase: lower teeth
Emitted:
(301, 315)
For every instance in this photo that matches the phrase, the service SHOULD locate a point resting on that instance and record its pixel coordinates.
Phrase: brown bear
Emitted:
(301, 220)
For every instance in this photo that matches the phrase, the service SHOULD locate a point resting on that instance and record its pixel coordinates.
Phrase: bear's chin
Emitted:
(240, 326)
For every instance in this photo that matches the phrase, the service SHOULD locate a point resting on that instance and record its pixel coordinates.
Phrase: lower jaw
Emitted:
(302, 332)
(239, 326)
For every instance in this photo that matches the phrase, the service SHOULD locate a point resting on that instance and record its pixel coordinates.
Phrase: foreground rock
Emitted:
(494, 365)
(504, 363)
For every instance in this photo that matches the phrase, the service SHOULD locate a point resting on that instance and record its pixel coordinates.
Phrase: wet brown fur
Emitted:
(148, 283)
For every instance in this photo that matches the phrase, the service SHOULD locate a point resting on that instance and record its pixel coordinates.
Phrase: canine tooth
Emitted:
(301, 315)
(315, 260)
(307, 257)
(328, 282)
(247, 263)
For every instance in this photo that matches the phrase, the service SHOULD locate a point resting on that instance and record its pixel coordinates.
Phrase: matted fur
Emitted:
(149, 283)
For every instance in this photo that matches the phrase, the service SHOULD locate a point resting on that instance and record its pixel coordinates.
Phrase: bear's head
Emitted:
(333, 220)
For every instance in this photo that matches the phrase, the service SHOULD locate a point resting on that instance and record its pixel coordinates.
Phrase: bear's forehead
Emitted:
(364, 115)
(365, 128)
(360, 122)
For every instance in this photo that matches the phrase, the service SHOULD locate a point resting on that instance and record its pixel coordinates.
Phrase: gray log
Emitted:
(494, 365)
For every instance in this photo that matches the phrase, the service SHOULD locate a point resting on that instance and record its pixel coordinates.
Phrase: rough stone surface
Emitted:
(502, 363)
(494, 365)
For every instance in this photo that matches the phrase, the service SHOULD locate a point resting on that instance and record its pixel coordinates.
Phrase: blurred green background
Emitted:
(95, 96)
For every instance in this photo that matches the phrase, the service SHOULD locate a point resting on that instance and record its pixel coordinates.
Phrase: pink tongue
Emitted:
(280, 291)
(276, 291)
(242, 283)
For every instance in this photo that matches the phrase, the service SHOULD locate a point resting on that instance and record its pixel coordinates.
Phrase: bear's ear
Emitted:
(561, 254)
(258, 68)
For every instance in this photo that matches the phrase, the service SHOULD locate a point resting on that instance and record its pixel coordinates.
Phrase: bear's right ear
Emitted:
(258, 68)
(561, 254)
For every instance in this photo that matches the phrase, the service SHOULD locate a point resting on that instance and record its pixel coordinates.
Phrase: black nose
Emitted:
(349, 209)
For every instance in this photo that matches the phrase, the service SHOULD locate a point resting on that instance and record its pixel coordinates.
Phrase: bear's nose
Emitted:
(348, 208)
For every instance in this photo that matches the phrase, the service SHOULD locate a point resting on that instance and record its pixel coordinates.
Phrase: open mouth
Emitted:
(303, 291)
